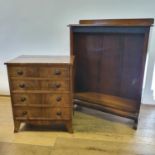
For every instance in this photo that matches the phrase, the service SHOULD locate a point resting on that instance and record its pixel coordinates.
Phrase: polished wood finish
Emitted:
(120, 22)
(50, 100)
(45, 71)
(109, 63)
(41, 90)
(40, 84)
(115, 22)
(42, 59)
(106, 100)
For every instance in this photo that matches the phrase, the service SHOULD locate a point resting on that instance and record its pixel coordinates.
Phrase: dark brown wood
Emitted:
(16, 125)
(69, 127)
(109, 60)
(116, 22)
(41, 90)
(108, 101)
(105, 109)
(44, 71)
(50, 100)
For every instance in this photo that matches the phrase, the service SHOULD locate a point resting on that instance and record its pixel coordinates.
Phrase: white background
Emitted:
(40, 27)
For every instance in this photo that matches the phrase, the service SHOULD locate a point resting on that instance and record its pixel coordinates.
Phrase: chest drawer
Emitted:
(53, 85)
(22, 99)
(23, 71)
(57, 113)
(56, 85)
(58, 100)
(54, 72)
(26, 112)
(25, 85)
(34, 71)
(52, 100)
(42, 113)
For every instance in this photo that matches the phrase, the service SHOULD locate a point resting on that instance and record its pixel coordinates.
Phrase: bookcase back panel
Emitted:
(109, 63)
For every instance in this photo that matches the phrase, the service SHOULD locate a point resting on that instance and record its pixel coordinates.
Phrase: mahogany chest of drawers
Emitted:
(41, 90)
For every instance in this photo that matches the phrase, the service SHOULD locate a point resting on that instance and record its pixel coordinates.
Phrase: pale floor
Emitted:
(95, 133)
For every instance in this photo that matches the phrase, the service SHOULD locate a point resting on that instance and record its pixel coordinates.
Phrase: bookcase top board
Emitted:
(115, 22)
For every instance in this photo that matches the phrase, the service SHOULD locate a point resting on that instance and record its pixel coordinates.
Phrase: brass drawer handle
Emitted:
(23, 99)
(22, 85)
(24, 113)
(56, 85)
(57, 72)
(59, 113)
(20, 72)
(58, 98)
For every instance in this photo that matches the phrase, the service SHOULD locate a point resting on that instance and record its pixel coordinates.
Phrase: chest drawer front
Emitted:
(21, 112)
(36, 71)
(27, 99)
(42, 113)
(25, 85)
(56, 85)
(23, 71)
(28, 113)
(57, 113)
(54, 72)
(58, 100)
(51, 100)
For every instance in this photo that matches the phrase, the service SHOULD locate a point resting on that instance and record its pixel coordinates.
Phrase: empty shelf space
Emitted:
(110, 101)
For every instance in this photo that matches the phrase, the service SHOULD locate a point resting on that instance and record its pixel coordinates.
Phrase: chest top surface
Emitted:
(42, 59)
